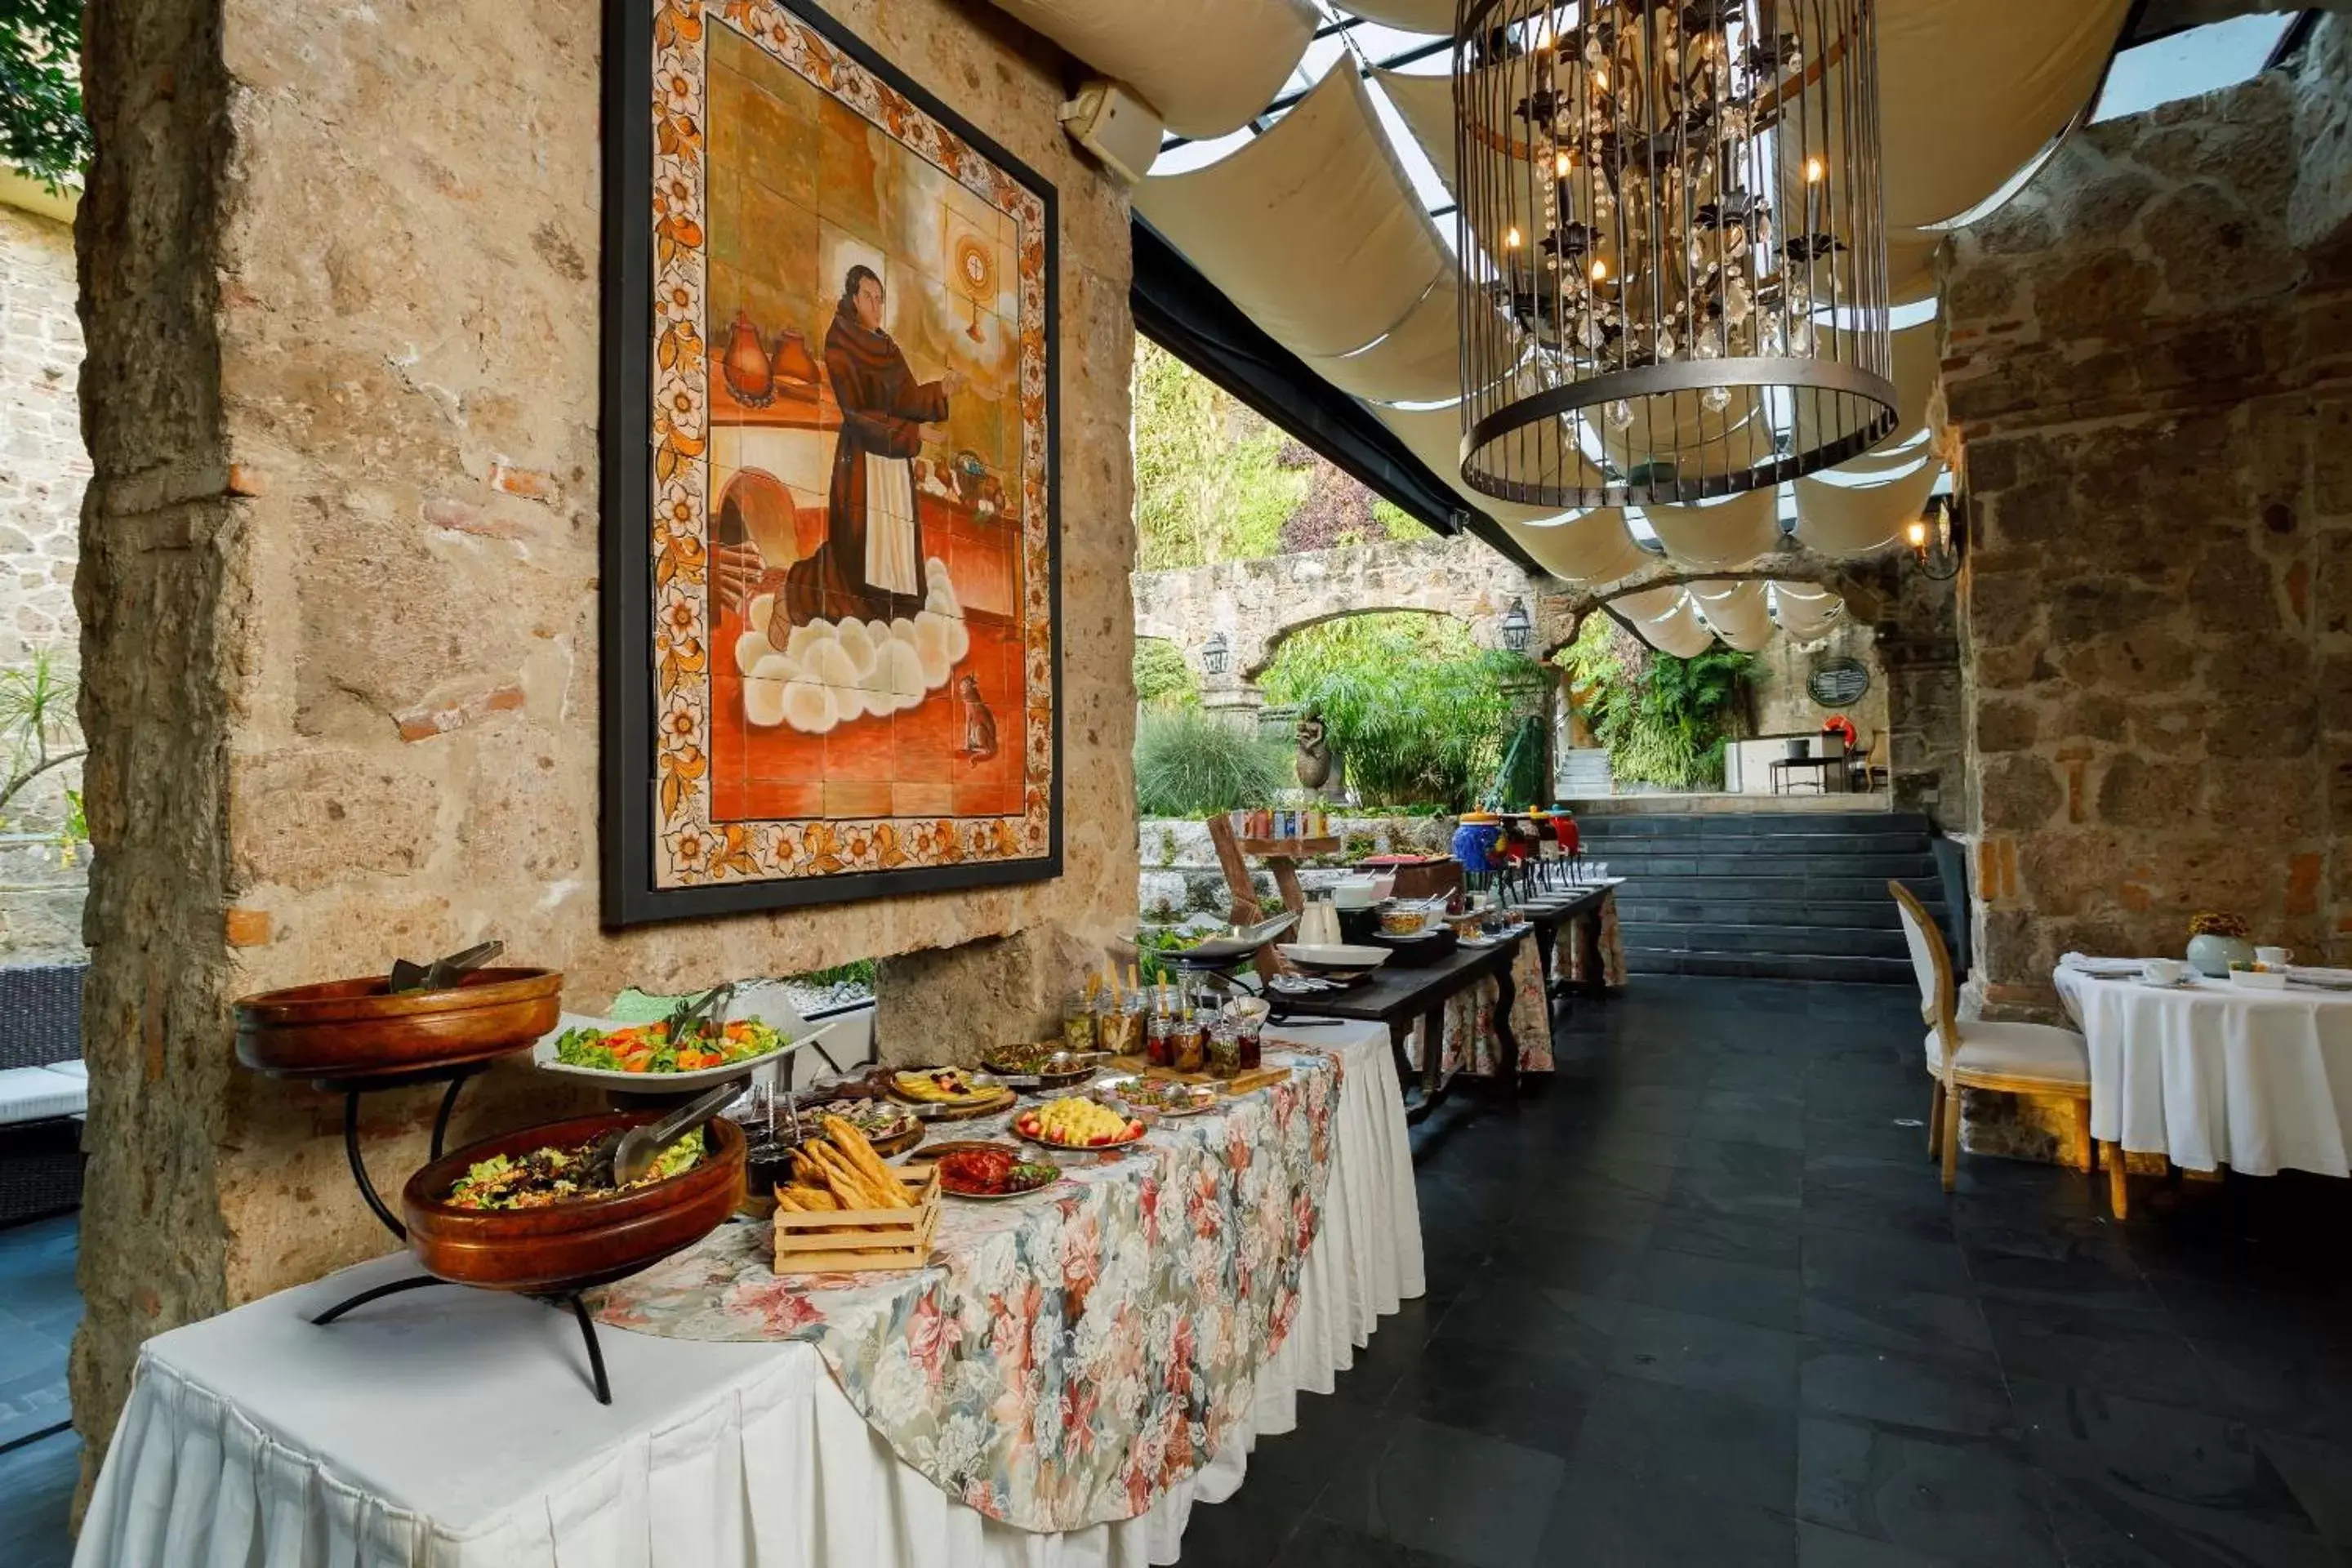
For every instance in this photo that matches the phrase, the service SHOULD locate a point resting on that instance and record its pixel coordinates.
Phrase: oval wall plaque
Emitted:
(1838, 682)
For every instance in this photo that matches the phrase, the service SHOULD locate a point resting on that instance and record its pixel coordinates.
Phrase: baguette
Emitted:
(854, 1189)
(861, 1154)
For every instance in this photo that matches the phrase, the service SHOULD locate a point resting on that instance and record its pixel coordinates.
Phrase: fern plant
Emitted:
(1664, 720)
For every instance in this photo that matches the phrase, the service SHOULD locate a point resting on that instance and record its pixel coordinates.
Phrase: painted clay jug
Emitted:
(746, 366)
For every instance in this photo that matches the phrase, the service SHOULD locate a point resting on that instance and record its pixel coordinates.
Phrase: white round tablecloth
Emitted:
(2215, 1074)
(454, 1428)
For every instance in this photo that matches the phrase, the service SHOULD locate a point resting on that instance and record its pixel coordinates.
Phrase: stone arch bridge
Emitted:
(1257, 604)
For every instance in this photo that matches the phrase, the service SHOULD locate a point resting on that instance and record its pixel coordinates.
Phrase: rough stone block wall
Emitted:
(1782, 706)
(2150, 364)
(43, 470)
(339, 592)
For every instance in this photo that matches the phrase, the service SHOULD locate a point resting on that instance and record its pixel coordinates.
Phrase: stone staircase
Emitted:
(1767, 895)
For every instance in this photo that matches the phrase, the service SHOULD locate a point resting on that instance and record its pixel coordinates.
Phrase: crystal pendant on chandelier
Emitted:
(1693, 297)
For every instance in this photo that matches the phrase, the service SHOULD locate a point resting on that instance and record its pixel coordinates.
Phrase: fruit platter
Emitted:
(1077, 1122)
(950, 1093)
(989, 1173)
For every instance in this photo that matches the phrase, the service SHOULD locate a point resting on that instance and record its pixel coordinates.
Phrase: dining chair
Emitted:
(2014, 1058)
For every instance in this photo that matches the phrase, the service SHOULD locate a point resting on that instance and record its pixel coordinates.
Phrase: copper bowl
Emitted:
(360, 1028)
(568, 1246)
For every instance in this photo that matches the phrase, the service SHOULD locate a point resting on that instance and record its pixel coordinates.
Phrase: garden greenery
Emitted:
(1191, 763)
(42, 131)
(1663, 718)
(1415, 708)
(1163, 676)
(1210, 484)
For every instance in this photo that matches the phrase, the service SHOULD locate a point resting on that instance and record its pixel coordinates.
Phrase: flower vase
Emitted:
(2212, 955)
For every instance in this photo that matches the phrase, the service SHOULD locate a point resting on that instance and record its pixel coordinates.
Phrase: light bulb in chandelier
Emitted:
(1511, 237)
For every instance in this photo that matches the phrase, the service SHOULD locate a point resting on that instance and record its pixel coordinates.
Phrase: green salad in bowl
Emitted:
(649, 1047)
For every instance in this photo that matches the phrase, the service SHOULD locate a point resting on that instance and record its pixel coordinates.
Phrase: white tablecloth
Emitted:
(452, 1428)
(2215, 1074)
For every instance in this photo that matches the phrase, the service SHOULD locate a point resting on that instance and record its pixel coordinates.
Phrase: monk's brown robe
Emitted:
(883, 410)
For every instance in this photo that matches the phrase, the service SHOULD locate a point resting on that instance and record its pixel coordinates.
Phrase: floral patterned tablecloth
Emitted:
(1067, 1358)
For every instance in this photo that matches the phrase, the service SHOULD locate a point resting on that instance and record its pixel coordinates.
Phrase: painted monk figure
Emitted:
(871, 564)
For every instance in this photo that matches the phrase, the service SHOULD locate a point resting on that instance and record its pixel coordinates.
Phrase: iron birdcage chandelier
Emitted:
(1672, 244)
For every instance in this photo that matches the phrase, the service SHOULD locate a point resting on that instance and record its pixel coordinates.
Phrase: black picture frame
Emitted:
(627, 756)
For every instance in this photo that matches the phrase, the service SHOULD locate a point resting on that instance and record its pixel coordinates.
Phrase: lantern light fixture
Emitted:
(1516, 627)
(1214, 653)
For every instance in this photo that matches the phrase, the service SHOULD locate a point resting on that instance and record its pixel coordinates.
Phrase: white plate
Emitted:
(2265, 980)
(1331, 957)
(543, 1055)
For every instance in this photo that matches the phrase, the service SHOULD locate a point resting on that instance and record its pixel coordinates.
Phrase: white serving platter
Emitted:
(799, 1032)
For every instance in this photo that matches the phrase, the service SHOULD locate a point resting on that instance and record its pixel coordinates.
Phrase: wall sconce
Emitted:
(1214, 653)
(1935, 543)
(1516, 626)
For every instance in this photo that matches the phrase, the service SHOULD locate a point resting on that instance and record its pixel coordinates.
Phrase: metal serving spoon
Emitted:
(633, 1153)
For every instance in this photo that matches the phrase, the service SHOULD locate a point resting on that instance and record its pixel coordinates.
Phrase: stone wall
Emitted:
(340, 594)
(42, 471)
(2150, 364)
(1780, 704)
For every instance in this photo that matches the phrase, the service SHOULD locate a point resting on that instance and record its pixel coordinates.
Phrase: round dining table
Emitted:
(2213, 1073)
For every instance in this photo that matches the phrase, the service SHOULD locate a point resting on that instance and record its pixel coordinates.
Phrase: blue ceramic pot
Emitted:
(2213, 955)
(1474, 844)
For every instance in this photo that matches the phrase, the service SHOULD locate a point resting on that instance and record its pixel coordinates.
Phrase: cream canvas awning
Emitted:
(1847, 519)
(1806, 611)
(1737, 611)
(1313, 229)
(1207, 66)
(1594, 547)
(1679, 631)
(1737, 529)
(1420, 362)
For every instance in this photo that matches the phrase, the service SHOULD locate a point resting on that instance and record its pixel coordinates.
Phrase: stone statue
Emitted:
(1314, 753)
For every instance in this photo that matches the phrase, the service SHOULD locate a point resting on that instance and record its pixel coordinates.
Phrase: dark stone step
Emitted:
(1875, 914)
(1774, 863)
(1775, 966)
(1763, 887)
(1762, 844)
(1750, 824)
(1834, 942)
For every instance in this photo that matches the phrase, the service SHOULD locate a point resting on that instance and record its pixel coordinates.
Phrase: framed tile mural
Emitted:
(831, 592)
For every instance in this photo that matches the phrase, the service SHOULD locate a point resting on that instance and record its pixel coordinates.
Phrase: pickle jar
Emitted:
(1079, 1024)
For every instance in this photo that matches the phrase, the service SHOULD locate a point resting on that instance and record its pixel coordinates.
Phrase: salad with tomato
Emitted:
(649, 1048)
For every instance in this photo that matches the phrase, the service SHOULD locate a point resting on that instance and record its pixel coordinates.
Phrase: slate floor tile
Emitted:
(1894, 1389)
(1740, 1238)
(1717, 1287)
(2130, 1353)
(2161, 1454)
(1945, 1497)
(1609, 1518)
(1710, 1444)
(1442, 1490)
(1714, 1355)
(1528, 1394)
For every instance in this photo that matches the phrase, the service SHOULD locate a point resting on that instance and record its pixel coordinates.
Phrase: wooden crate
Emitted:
(859, 1239)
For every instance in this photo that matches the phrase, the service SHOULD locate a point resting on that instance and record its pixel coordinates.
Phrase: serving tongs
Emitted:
(620, 1158)
(701, 1010)
(442, 973)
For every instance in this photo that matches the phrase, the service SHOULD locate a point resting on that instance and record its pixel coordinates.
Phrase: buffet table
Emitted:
(452, 1428)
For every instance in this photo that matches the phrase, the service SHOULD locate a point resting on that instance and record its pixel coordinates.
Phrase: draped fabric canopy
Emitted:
(1805, 610)
(1737, 611)
(1593, 547)
(1207, 66)
(1722, 534)
(1313, 228)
